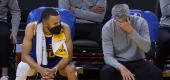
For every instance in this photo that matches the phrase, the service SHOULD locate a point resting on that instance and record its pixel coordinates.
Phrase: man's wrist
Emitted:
(38, 68)
(118, 67)
(55, 69)
(14, 33)
(130, 29)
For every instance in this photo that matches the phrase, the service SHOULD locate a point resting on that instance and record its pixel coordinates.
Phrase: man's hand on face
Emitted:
(124, 25)
(97, 9)
(126, 74)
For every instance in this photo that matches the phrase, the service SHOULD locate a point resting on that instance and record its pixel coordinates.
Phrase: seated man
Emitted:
(88, 14)
(125, 41)
(47, 48)
(164, 35)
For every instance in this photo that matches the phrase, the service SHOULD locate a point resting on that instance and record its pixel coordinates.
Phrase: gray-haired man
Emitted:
(125, 40)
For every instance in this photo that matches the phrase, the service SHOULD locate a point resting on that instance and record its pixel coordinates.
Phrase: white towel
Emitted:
(41, 52)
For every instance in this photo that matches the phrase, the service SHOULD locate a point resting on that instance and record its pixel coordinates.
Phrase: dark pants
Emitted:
(38, 76)
(4, 44)
(88, 32)
(163, 49)
(142, 69)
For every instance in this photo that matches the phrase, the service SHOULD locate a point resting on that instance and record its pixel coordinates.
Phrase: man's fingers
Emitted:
(118, 24)
(51, 75)
(124, 77)
(133, 76)
(128, 76)
(99, 10)
(46, 78)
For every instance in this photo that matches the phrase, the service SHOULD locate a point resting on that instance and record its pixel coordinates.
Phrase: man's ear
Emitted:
(128, 19)
(44, 23)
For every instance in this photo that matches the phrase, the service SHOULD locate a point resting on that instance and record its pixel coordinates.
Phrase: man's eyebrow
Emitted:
(118, 20)
(58, 23)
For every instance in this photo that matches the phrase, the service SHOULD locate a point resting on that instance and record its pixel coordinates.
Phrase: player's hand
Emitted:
(45, 73)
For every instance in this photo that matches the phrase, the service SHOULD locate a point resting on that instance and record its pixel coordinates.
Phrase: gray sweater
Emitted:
(165, 10)
(12, 6)
(121, 46)
(82, 12)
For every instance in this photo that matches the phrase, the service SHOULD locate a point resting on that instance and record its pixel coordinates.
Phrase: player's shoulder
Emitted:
(31, 26)
(65, 26)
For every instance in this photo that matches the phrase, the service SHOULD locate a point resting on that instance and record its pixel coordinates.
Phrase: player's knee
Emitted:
(20, 78)
(71, 69)
(22, 69)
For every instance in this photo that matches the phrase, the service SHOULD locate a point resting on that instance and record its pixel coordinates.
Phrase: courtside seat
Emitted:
(86, 45)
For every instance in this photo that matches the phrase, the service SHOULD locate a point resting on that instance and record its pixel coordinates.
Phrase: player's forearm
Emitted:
(63, 63)
(29, 60)
(143, 41)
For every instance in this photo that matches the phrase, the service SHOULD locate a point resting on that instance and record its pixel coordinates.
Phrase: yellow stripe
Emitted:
(59, 37)
(61, 52)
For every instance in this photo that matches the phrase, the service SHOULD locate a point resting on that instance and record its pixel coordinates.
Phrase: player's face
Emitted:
(54, 24)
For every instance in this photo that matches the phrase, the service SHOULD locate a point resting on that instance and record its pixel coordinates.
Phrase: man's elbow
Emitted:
(23, 56)
(147, 47)
(106, 60)
(99, 18)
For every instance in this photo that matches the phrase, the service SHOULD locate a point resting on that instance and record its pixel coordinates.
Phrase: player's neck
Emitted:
(46, 32)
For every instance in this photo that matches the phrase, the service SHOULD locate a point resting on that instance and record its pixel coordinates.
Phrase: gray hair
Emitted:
(120, 11)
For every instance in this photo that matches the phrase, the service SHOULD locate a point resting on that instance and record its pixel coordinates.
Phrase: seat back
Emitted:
(152, 20)
(153, 24)
(66, 16)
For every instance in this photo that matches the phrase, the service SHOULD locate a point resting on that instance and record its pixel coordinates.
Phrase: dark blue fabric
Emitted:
(66, 16)
(52, 61)
(152, 20)
(33, 51)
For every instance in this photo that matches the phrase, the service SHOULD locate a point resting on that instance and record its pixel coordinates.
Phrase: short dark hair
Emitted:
(49, 12)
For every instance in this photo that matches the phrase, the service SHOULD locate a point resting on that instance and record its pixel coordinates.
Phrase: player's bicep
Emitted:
(69, 41)
(27, 41)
